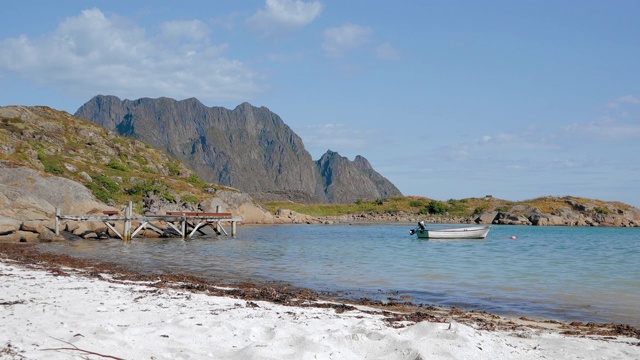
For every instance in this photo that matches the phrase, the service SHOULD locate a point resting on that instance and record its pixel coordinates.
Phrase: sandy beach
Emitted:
(49, 310)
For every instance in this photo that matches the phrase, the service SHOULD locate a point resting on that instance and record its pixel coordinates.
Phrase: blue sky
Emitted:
(447, 99)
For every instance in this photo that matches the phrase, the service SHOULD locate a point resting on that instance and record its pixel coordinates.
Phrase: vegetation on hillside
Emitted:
(116, 169)
(414, 205)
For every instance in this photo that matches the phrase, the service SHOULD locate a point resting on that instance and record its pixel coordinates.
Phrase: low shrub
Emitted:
(189, 199)
(117, 165)
(436, 207)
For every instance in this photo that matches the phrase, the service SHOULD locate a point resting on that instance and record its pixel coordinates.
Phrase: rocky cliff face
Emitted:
(248, 148)
(346, 181)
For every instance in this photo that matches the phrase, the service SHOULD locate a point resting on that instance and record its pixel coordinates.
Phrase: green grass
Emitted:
(51, 164)
(195, 180)
(174, 169)
(394, 205)
(117, 165)
(189, 199)
(421, 206)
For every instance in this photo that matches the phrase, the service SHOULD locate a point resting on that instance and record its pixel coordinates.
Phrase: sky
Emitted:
(446, 99)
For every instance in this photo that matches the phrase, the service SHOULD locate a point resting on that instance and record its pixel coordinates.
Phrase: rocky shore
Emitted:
(29, 199)
(573, 214)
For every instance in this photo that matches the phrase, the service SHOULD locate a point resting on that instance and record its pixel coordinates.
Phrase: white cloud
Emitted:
(502, 146)
(622, 121)
(279, 14)
(386, 51)
(93, 54)
(627, 99)
(283, 58)
(339, 40)
(192, 30)
(608, 128)
(336, 137)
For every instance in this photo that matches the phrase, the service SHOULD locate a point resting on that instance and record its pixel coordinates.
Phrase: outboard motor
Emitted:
(421, 225)
(412, 231)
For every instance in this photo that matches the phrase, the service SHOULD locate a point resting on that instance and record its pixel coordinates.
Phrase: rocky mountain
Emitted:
(247, 148)
(348, 181)
(50, 159)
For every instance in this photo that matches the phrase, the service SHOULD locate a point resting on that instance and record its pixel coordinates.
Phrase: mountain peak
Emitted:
(248, 148)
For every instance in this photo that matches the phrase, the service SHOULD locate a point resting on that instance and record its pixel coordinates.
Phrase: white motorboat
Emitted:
(467, 232)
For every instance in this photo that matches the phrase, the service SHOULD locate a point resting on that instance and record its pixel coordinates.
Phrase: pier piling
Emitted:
(187, 220)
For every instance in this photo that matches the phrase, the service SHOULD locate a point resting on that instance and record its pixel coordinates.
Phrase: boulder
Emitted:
(90, 235)
(46, 235)
(147, 233)
(29, 194)
(9, 221)
(239, 204)
(631, 215)
(511, 219)
(570, 217)
(609, 220)
(37, 226)
(19, 204)
(286, 216)
(540, 219)
(19, 236)
(486, 217)
(253, 214)
(70, 226)
(81, 229)
(580, 207)
(6, 229)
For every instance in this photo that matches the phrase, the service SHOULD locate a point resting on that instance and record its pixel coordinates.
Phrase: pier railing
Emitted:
(181, 223)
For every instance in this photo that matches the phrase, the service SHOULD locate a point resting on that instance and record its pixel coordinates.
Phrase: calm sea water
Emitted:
(564, 273)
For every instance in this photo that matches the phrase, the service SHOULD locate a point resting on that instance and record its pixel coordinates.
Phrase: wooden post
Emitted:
(109, 217)
(184, 226)
(218, 231)
(126, 236)
(57, 221)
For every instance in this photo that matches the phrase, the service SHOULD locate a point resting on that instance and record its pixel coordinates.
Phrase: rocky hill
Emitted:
(248, 148)
(50, 159)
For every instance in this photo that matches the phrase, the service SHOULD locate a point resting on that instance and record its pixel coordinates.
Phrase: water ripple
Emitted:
(567, 273)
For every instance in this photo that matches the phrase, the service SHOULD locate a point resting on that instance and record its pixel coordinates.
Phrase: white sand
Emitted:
(44, 316)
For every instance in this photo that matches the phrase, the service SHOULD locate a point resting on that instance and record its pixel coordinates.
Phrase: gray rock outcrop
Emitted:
(574, 215)
(28, 202)
(240, 204)
(27, 194)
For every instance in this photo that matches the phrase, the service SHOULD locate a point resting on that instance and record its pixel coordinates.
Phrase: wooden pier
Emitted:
(180, 223)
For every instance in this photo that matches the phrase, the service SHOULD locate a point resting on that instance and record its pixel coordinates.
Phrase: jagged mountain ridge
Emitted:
(344, 178)
(249, 148)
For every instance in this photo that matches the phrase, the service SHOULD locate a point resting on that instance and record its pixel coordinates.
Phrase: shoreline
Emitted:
(287, 294)
(392, 318)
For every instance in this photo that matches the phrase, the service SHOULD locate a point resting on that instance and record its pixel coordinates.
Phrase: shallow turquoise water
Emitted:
(565, 273)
